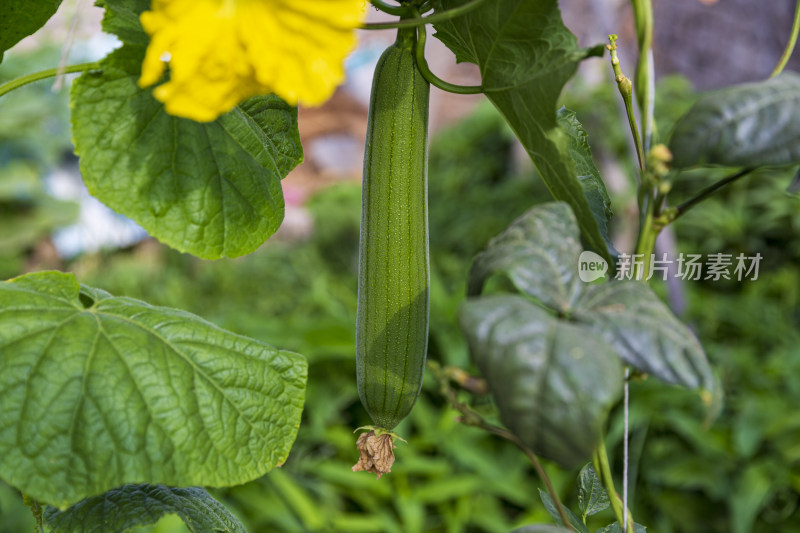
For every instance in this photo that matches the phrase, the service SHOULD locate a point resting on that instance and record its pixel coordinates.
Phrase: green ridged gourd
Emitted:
(393, 272)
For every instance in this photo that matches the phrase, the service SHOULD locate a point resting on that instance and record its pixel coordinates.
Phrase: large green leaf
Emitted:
(129, 506)
(97, 391)
(553, 382)
(20, 18)
(539, 253)
(526, 55)
(645, 333)
(753, 124)
(553, 363)
(211, 189)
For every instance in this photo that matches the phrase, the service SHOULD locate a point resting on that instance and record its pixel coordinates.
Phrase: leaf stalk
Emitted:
(787, 52)
(430, 19)
(16, 83)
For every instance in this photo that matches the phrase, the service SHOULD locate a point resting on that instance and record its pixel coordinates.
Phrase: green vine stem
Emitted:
(787, 53)
(430, 19)
(646, 243)
(432, 78)
(9, 86)
(601, 466)
(471, 418)
(645, 75)
(388, 8)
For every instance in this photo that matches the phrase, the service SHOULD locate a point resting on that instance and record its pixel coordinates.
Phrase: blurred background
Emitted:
(298, 291)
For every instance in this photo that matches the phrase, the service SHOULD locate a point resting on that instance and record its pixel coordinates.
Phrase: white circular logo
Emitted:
(591, 267)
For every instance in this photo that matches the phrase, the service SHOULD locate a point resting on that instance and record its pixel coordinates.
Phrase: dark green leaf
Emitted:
(526, 55)
(592, 182)
(592, 496)
(550, 505)
(122, 19)
(539, 253)
(614, 528)
(753, 124)
(645, 333)
(211, 189)
(20, 18)
(129, 506)
(553, 382)
(98, 391)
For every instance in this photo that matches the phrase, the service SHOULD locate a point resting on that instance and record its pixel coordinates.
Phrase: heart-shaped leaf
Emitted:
(129, 506)
(211, 189)
(526, 55)
(752, 124)
(539, 253)
(553, 382)
(645, 333)
(98, 391)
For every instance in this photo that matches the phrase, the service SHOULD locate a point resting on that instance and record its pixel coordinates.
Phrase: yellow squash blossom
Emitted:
(221, 52)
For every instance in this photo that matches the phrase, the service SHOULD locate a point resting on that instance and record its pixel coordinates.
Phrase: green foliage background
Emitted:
(740, 475)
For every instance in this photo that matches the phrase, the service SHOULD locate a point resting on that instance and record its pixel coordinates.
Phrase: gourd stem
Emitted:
(787, 53)
(430, 19)
(432, 78)
(9, 86)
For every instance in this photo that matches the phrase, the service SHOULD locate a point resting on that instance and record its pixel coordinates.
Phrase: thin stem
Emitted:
(601, 466)
(389, 8)
(471, 418)
(626, 89)
(643, 12)
(432, 78)
(537, 465)
(625, 454)
(705, 193)
(44, 74)
(431, 19)
(787, 53)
